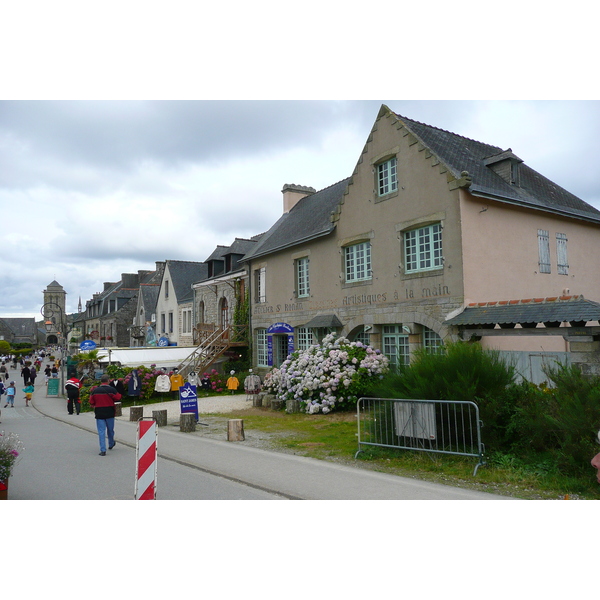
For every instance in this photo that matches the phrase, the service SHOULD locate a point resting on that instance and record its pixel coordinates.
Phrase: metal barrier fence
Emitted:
(440, 426)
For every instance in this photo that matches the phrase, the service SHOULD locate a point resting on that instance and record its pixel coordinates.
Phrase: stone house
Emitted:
(216, 297)
(109, 314)
(429, 223)
(174, 304)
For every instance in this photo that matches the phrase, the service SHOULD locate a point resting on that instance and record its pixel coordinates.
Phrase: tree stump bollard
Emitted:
(257, 400)
(118, 409)
(276, 404)
(292, 406)
(136, 413)
(187, 422)
(235, 430)
(160, 416)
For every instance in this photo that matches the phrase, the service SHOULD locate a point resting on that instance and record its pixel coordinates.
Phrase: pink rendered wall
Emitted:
(500, 253)
(500, 261)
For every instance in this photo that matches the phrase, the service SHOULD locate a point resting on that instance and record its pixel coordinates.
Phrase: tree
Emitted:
(87, 362)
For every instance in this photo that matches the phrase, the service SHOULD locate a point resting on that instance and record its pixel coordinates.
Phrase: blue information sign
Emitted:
(163, 341)
(87, 345)
(188, 399)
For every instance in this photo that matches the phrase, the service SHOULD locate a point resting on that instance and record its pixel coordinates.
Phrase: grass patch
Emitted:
(333, 437)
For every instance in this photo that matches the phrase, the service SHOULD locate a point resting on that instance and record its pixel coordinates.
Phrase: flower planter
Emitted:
(4, 490)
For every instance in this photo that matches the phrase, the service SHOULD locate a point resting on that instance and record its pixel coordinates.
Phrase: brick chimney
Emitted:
(292, 193)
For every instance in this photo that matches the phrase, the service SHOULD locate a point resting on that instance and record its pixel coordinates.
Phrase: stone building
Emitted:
(429, 223)
(216, 297)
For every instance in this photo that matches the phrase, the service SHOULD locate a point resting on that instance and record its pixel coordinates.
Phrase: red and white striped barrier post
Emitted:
(146, 463)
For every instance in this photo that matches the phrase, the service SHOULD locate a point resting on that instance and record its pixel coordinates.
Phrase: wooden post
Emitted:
(235, 430)
(277, 404)
(292, 406)
(187, 422)
(160, 416)
(136, 413)
(118, 410)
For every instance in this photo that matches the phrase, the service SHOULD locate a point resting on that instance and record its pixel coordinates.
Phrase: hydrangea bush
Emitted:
(332, 375)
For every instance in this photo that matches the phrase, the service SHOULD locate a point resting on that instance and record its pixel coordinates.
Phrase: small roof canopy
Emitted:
(330, 321)
(575, 310)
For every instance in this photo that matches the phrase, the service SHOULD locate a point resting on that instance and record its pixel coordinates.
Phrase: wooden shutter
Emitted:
(544, 250)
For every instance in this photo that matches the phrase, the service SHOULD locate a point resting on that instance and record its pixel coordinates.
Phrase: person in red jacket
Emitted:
(103, 400)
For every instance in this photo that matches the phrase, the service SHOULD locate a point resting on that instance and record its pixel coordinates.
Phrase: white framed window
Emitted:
(260, 276)
(170, 322)
(357, 262)
(304, 338)
(387, 181)
(363, 337)
(431, 340)
(423, 248)
(302, 284)
(162, 323)
(544, 251)
(262, 349)
(562, 264)
(395, 345)
(166, 288)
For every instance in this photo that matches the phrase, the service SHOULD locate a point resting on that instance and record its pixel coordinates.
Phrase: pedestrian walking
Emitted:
(25, 374)
(54, 372)
(11, 390)
(32, 374)
(47, 373)
(103, 400)
(2, 392)
(3, 371)
(28, 389)
(73, 386)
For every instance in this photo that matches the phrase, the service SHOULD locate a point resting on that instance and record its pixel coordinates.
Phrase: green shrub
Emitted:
(572, 416)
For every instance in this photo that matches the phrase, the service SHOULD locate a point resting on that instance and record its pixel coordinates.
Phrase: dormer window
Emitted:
(506, 164)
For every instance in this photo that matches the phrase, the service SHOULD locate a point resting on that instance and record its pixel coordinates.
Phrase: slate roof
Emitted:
(149, 296)
(573, 309)
(183, 274)
(308, 219)
(463, 154)
(241, 246)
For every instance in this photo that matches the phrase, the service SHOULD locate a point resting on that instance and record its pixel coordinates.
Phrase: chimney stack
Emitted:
(292, 193)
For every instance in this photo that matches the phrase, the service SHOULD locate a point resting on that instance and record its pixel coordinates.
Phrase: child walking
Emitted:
(28, 393)
(10, 395)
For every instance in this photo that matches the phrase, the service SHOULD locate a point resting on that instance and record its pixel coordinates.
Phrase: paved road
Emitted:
(61, 448)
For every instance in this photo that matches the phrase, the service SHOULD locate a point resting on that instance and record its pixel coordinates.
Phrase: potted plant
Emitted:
(10, 449)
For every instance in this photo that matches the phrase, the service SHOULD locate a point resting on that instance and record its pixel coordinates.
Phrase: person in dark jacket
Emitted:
(72, 386)
(103, 400)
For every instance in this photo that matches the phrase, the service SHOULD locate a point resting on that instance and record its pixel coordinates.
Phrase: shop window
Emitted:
(395, 345)
(262, 348)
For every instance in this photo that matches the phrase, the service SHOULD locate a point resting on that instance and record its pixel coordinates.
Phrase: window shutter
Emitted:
(544, 250)
(561, 254)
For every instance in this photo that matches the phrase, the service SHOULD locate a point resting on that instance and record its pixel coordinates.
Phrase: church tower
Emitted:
(55, 296)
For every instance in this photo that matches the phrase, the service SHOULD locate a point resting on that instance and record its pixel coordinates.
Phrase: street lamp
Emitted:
(49, 310)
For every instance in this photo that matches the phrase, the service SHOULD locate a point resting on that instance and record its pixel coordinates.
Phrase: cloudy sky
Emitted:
(100, 188)
(163, 133)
